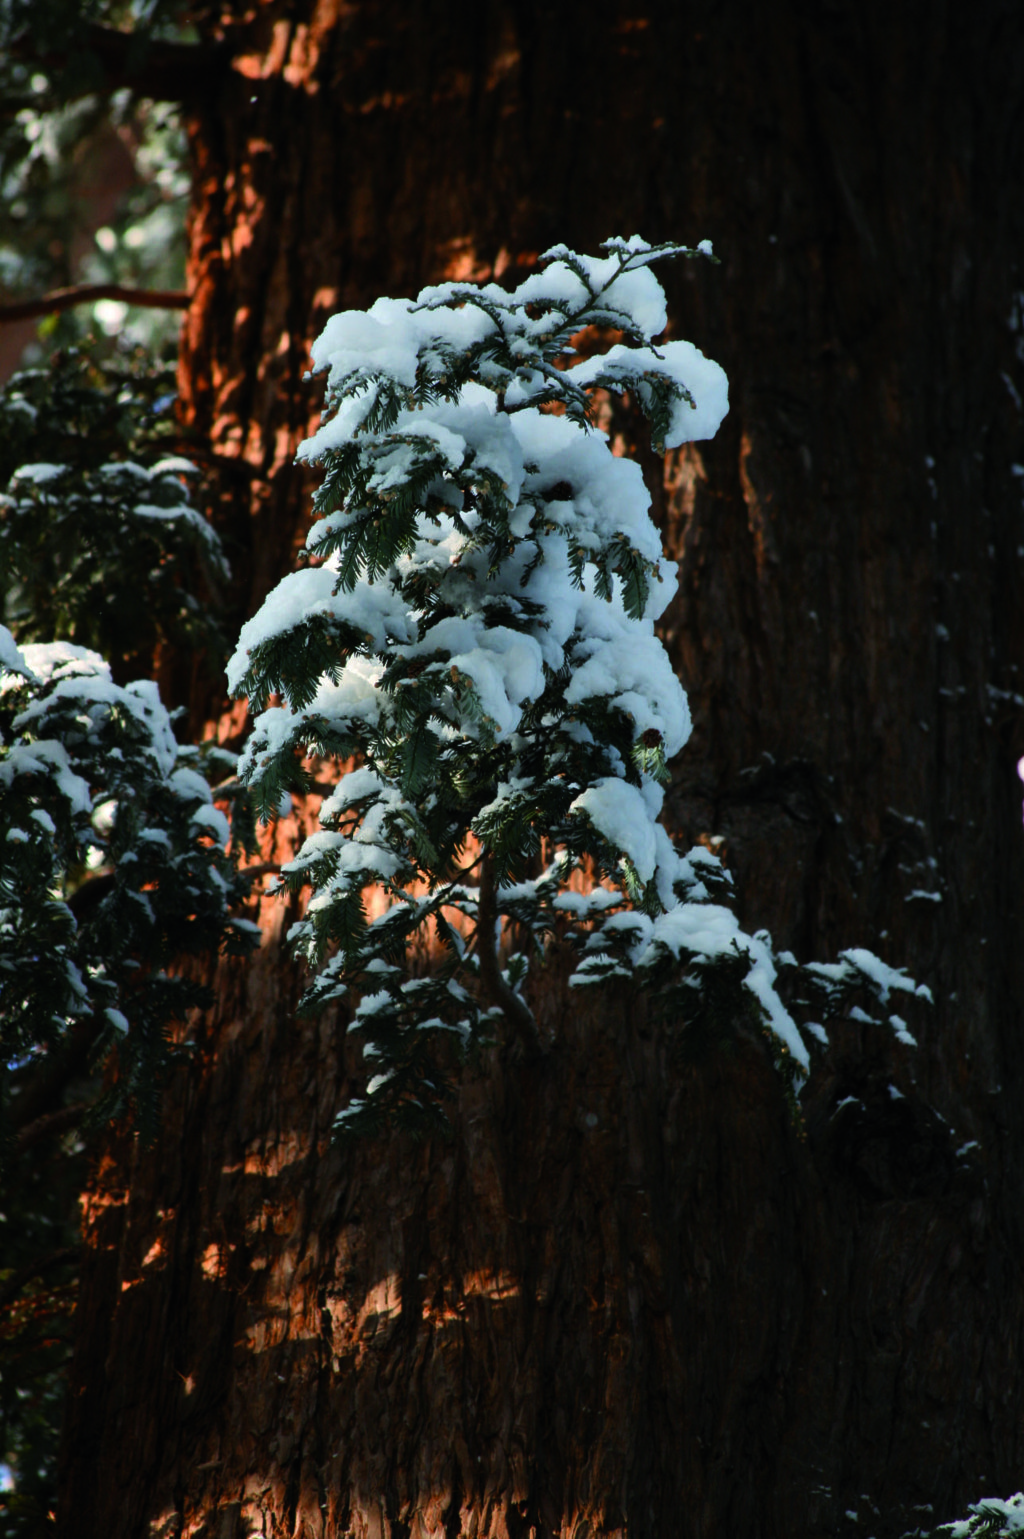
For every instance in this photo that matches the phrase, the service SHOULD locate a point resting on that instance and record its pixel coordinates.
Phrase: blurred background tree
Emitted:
(93, 191)
(93, 178)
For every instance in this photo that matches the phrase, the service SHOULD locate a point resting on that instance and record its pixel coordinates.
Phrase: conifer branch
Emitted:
(88, 293)
(496, 990)
(477, 633)
(40, 1096)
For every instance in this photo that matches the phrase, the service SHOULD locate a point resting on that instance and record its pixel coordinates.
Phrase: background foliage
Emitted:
(93, 189)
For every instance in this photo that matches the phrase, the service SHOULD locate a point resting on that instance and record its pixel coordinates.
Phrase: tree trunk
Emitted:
(630, 1294)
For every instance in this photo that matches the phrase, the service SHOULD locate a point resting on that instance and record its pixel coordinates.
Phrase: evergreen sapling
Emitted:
(474, 625)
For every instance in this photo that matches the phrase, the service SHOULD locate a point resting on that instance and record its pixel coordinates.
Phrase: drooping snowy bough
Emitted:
(474, 624)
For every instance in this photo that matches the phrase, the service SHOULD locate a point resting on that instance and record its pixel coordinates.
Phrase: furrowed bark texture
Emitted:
(628, 1296)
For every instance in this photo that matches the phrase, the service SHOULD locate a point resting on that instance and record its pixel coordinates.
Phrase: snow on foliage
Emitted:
(991, 1518)
(111, 862)
(478, 630)
(99, 537)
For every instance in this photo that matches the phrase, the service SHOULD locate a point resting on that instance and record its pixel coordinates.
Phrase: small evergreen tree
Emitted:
(475, 622)
(112, 856)
(112, 867)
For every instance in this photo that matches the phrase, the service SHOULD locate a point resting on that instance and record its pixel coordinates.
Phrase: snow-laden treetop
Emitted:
(475, 625)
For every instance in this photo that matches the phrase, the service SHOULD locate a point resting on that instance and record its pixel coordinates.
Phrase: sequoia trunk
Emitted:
(631, 1294)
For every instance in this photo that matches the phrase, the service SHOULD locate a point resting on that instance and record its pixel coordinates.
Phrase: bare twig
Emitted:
(88, 293)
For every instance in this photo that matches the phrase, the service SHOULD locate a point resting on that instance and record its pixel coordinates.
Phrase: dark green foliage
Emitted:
(104, 545)
(991, 1518)
(115, 890)
(39, 1241)
(474, 625)
(112, 868)
(68, 127)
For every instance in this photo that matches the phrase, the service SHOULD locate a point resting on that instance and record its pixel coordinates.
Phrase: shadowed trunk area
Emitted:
(630, 1295)
(626, 1295)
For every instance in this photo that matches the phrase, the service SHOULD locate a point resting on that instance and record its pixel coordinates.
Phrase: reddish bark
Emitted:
(681, 1317)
